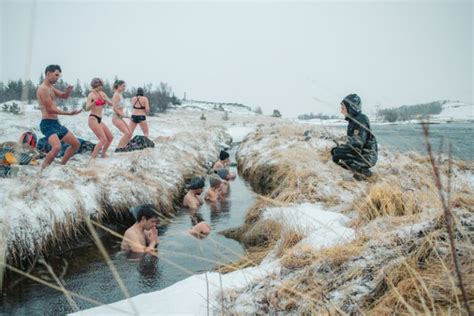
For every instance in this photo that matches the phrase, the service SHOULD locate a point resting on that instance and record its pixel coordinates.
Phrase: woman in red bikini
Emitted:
(96, 100)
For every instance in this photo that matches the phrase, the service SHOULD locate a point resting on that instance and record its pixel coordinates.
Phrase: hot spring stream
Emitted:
(85, 271)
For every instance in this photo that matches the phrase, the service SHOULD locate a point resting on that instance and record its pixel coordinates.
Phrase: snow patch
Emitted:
(322, 228)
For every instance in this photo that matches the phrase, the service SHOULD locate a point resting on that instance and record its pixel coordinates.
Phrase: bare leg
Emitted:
(99, 132)
(144, 127)
(55, 143)
(109, 137)
(123, 127)
(132, 125)
(73, 147)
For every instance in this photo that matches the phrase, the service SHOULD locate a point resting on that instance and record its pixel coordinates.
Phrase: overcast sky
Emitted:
(297, 57)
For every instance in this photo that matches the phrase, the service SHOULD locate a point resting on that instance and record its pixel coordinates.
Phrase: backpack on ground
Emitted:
(140, 142)
(29, 138)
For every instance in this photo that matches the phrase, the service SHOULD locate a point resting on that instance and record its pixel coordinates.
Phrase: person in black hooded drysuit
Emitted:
(360, 151)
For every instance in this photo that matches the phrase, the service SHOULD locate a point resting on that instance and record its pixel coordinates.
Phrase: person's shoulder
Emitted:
(361, 117)
(42, 88)
(130, 232)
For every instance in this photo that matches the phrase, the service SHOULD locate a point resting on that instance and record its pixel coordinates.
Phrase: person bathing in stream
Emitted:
(225, 175)
(141, 108)
(223, 163)
(192, 199)
(50, 126)
(96, 101)
(119, 115)
(217, 189)
(359, 153)
(201, 228)
(142, 237)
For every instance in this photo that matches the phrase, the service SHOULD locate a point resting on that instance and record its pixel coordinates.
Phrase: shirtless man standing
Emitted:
(50, 126)
(192, 199)
(142, 237)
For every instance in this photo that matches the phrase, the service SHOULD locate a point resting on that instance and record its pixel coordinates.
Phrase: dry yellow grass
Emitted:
(262, 233)
(299, 257)
(417, 280)
(386, 199)
(463, 200)
(429, 288)
(252, 257)
(288, 239)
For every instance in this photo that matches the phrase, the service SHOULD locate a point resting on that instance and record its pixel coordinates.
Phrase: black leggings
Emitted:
(348, 158)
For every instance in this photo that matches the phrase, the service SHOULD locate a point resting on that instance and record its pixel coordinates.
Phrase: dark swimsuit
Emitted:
(99, 119)
(138, 118)
(52, 126)
(98, 102)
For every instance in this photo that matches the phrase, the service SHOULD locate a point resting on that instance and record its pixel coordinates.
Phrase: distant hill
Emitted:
(216, 106)
(444, 110)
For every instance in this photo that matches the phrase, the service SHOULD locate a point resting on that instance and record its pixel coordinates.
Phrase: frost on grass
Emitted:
(44, 209)
(397, 258)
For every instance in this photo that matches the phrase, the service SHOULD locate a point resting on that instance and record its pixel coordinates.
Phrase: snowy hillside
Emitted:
(456, 111)
(216, 106)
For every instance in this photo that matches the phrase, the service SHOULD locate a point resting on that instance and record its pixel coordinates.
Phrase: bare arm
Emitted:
(134, 243)
(63, 94)
(147, 106)
(106, 98)
(90, 101)
(152, 240)
(47, 102)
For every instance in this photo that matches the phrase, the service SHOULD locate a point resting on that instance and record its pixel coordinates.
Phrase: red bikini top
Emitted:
(99, 102)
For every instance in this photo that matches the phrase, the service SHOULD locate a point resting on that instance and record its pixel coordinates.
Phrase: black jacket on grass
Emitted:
(360, 152)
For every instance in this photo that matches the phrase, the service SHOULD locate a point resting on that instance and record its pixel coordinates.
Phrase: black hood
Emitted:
(353, 104)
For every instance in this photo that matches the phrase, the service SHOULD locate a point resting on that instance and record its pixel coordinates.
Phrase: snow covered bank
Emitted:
(319, 227)
(339, 260)
(42, 210)
(396, 241)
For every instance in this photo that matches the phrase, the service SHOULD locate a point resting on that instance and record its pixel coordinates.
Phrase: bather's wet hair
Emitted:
(148, 211)
(118, 83)
(52, 68)
(140, 92)
(196, 219)
(223, 155)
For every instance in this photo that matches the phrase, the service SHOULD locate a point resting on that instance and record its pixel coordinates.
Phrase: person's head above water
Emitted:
(52, 73)
(351, 105)
(223, 173)
(196, 184)
(196, 219)
(215, 181)
(224, 155)
(140, 92)
(119, 85)
(96, 83)
(147, 216)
